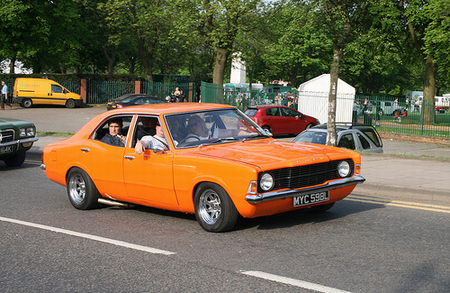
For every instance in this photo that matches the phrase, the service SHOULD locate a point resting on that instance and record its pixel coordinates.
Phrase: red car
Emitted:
(280, 119)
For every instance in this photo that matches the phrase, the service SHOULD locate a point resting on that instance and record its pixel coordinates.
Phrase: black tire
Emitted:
(70, 104)
(27, 103)
(267, 128)
(380, 112)
(322, 208)
(309, 126)
(83, 194)
(214, 209)
(16, 160)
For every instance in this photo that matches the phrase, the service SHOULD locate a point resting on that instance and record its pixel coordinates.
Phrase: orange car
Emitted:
(206, 159)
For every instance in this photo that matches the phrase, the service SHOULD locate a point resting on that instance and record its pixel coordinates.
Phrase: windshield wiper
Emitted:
(218, 140)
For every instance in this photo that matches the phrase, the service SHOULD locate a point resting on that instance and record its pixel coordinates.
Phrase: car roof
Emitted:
(172, 108)
(267, 106)
(344, 126)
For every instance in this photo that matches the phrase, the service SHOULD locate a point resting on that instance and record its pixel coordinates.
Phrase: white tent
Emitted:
(313, 99)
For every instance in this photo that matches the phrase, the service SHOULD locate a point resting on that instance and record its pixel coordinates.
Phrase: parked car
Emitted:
(215, 163)
(41, 91)
(132, 100)
(353, 136)
(16, 137)
(280, 119)
(389, 108)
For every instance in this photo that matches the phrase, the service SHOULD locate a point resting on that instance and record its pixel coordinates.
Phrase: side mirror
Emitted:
(268, 132)
(158, 149)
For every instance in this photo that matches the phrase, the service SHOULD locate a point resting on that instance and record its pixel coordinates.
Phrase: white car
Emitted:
(353, 136)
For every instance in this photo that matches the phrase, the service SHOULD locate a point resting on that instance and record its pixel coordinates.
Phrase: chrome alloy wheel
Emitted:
(77, 188)
(209, 206)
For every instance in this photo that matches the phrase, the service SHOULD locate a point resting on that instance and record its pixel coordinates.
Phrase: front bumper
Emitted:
(20, 141)
(257, 198)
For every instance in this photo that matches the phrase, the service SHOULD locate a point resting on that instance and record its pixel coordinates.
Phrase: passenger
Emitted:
(199, 131)
(149, 141)
(114, 137)
(148, 127)
(175, 129)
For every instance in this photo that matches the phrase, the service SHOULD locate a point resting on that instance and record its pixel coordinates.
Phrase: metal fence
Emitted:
(386, 113)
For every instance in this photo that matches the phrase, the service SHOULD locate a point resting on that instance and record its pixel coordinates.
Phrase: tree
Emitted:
(341, 17)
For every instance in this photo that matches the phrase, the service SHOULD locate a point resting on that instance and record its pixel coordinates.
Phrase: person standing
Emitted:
(4, 98)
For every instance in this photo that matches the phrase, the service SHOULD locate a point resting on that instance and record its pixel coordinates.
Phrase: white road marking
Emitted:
(293, 282)
(89, 236)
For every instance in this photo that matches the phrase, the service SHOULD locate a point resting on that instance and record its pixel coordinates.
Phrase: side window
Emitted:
(273, 112)
(289, 112)
(365, 144)
(113, 131)
(347, 142)
(57, 89)
(146, 125)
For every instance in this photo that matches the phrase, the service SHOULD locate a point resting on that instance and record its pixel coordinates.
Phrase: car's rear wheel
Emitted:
(70, 103)
(27, 103)
(214, 209)
(16, 160)
(83, 194)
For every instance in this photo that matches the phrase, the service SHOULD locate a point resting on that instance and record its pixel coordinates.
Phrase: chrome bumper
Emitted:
(257, 198)
(25, 140)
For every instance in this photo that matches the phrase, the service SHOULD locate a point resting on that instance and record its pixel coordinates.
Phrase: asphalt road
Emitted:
(363, 244)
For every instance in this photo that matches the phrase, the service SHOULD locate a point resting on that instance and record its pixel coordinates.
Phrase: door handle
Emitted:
(85, 150)
(129, 157)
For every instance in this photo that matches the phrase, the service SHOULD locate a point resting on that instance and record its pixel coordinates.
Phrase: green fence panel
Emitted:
(100, 92)
(163, 89)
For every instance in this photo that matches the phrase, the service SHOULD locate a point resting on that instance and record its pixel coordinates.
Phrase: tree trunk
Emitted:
(111, 58)
(11, 66)
(334, 76)
(219, 67)
(429, 86)
(147, 59)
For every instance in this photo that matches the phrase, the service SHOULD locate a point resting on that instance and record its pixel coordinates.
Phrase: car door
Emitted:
(293, 121)
(58, 95)
(104, 162)
(275, 120)
(149, 176)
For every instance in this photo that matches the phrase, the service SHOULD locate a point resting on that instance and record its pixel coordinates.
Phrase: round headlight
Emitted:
(266, 182)
(344, 169)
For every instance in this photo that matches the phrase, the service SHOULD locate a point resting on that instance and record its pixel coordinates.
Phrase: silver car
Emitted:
(353, 136)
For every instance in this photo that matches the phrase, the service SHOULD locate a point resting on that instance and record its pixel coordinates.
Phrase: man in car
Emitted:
(115, 137)
(149, 141)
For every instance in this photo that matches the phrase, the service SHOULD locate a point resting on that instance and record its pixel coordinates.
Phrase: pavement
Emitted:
(409, 169)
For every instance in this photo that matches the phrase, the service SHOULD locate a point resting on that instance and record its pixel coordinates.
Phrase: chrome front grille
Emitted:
(304, 176)
(7, 135)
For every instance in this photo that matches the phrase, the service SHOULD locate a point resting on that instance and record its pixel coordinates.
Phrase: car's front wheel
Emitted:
(83, 194)
(70, 104)
(16, 160)
(214, 209)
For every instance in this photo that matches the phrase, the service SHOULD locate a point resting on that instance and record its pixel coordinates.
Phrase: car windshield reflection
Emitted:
(211, 127)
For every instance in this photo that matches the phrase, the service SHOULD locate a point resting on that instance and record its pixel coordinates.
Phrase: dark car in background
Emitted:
(132, 100)
(280, 119)
(352, 136)
(16, 137)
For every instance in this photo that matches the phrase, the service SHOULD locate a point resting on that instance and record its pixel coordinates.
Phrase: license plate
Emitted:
(7, 149)
(306, 199)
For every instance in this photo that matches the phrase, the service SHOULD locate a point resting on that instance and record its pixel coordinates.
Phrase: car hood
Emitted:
(272, 154)
(11, 122)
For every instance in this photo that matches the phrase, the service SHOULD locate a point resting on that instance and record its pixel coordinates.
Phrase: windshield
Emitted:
(214, 126)
(312, 137)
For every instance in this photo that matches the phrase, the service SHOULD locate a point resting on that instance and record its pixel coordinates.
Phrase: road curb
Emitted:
(401, 192)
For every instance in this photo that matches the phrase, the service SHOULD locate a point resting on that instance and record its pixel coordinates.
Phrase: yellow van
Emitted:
(29, 91)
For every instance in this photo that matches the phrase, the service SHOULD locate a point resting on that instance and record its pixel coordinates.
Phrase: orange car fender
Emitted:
(233, 176)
